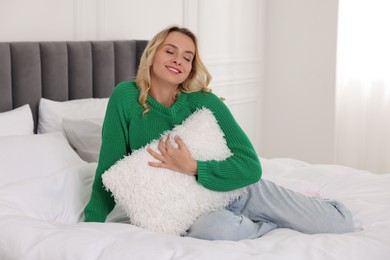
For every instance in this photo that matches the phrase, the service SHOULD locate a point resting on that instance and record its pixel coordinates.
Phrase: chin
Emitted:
(176, 82)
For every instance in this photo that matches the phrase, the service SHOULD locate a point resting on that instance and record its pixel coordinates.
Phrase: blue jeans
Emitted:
(267, 206)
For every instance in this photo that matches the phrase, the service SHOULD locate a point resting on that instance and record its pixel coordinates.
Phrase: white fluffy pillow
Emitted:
(165, 201)
(17, 122)
(29, 156)
(52, 113)
(85, 136)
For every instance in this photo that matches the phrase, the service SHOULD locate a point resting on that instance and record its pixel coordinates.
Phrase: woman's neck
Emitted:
(163, 93)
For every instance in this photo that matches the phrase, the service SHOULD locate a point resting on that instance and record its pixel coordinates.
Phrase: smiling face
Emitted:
(172, 62)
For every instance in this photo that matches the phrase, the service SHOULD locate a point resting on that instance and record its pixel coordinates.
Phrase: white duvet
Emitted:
(41, 218)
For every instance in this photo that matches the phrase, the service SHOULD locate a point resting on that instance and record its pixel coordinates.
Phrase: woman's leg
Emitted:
(226, 225)
(266, 201)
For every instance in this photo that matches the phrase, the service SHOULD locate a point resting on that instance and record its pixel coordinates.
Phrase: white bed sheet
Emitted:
(44, 221)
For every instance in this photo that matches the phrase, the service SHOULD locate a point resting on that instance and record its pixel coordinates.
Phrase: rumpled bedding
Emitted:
(42, 218)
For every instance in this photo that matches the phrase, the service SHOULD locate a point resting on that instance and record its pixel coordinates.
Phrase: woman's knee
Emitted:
(217, 225)
(226, 225)
(345, 223)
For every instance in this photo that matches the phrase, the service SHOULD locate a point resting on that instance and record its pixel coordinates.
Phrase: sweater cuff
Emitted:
(202, 176)
(91, 217)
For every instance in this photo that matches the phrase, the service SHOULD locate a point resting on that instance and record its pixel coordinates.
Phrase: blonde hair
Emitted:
(198, 79)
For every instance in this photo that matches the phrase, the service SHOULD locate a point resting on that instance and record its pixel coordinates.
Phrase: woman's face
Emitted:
(172, 62)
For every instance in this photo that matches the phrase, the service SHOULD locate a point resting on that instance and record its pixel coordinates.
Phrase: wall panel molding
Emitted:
(191, 15)
(240, 101)
(232, 60)
(77, 19)
(232, 51)
(229, 29)
(235, 82)
(241, 89)
(101, 24)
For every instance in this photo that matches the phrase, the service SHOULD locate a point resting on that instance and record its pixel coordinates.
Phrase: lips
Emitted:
(174, 70)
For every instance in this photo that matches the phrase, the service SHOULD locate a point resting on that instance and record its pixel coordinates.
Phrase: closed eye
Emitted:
(188, 58)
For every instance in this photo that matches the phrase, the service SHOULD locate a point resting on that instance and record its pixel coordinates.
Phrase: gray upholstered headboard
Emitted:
(64, 70)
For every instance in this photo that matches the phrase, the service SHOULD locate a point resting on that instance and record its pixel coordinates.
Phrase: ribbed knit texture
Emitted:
(125, 129)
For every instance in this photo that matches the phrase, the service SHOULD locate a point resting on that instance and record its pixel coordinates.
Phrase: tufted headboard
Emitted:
(64, 70)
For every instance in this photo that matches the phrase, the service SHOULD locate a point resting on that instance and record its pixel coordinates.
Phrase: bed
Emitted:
(52, 102)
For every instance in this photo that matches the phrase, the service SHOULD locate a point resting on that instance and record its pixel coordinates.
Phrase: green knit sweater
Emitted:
(125, 129)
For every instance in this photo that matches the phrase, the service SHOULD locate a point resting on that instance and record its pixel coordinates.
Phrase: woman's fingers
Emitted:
(161, 146)
(180, 143)
(158, 165)
(168, 144)
(155, 154)
(176, 159)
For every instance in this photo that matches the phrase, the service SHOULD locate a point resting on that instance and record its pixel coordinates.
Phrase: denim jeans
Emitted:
(266, 206)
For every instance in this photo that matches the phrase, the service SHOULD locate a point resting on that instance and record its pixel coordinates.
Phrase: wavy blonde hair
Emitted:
(198, 79)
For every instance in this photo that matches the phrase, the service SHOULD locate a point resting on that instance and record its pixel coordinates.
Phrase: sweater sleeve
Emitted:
(113, 148)
(239, 170)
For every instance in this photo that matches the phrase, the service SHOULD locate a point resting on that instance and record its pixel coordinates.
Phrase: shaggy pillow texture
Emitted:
(165, 201)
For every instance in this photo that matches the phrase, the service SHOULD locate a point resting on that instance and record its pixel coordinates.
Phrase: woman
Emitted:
(172, 82)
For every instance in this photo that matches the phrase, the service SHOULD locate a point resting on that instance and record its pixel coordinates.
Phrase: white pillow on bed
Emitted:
(165, 201)
(85, 136)
(18, 121)
(29, 156)
(59, 197)
(52, 113)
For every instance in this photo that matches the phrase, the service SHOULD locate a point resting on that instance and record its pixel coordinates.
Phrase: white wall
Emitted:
(230, 34)
(299, 90)
(37, 20)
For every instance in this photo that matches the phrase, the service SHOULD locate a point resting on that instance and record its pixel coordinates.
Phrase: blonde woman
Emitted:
(172, 82)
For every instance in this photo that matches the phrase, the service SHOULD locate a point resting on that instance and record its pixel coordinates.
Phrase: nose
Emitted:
(176, 60)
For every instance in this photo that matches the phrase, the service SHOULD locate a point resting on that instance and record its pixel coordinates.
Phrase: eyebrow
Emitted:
(174, 46)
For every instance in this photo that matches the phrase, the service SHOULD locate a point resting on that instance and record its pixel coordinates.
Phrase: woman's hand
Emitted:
(178, 160)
